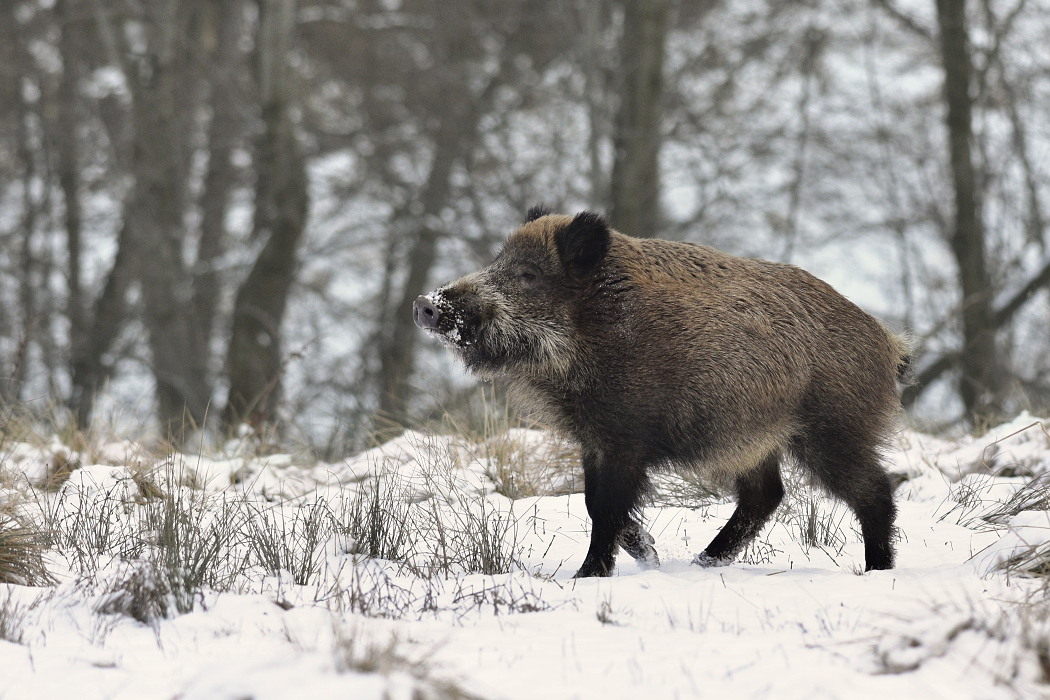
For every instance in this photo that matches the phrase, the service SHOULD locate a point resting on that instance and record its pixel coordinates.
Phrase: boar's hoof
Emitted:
(707, 561)
(639, 544)
(593, 568)
(650, 560)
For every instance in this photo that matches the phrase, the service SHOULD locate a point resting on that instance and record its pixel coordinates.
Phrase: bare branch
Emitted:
(109, 38)
(933, 371)
(904, 19)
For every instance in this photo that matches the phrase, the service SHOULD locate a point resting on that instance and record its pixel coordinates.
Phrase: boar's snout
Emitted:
(425, 314)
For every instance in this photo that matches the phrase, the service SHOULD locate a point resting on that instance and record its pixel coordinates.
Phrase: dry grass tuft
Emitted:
(138, 593)
(686, 488)
(521, 458)
(62, 466)
(1034, 495)
(522, 466)
(426, 536)
(21, 550)
(356, 654)
(1010, 640)
(145, 478)
(14, 616)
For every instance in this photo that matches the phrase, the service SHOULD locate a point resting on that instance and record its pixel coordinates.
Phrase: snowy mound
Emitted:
(436, 566)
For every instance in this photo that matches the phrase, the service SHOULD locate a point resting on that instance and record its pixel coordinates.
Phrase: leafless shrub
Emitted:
(520, 458)
(474, 537)
(427, 536)
(816, 520)
(524, 463)
(194, 542)
(93, 527)
(379, 520)
(373, 592)
(759, 551)
(297, 548)
(176, 539)
(521, 469)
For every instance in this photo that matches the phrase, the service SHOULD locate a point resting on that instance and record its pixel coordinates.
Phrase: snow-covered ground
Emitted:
(246, 576)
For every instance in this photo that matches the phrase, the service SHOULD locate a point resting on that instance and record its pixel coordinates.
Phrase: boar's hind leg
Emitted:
(612, 491)
(850, 468)
(759, 492)
(636, 541)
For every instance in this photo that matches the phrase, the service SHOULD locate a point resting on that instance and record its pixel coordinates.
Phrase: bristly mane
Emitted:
(536, 212)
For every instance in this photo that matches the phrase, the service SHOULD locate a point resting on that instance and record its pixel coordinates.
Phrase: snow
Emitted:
(793, 618)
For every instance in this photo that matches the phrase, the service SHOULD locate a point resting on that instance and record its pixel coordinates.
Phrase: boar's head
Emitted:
(516, 316)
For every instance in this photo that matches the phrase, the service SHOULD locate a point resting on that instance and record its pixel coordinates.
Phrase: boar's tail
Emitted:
(904, 369)
(902, 345)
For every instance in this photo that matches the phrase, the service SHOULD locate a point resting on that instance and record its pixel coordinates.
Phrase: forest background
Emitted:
(221, 212)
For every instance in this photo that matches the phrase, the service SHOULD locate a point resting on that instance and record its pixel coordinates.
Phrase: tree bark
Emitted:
(634, 206)
(81, 335)
(980, 382)
(29, 131)
(68, 169)
(254, 359)
(596, 96)
(224, 133)
(155, 215)
(89, 367)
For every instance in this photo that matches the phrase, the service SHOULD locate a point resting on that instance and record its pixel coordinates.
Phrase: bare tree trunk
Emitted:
(254, 359)
(30, 136)
(457, 116)
(155, 214)
(635, 187)
(398, 345)
(27, 281)
(224, 133)
(980, 383)
(595, 93)
(815, 40)
(68, 171)
(1001, 317)
(89, 370)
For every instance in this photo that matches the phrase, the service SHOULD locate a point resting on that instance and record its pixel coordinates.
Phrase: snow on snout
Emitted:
(453, 336)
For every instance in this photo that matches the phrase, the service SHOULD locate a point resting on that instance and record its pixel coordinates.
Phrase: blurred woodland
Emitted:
(221, 211)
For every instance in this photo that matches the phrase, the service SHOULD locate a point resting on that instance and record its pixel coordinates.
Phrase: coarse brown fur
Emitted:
(655, 353)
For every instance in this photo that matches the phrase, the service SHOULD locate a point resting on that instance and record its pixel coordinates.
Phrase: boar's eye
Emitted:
(527, 273)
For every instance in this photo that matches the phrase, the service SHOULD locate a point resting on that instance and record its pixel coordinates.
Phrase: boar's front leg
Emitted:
(612, 490)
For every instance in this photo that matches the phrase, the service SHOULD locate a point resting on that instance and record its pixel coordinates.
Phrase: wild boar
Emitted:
(659, 354)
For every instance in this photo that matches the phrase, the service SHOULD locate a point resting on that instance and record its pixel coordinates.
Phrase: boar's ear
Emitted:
(582, 244)
(536, 212)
